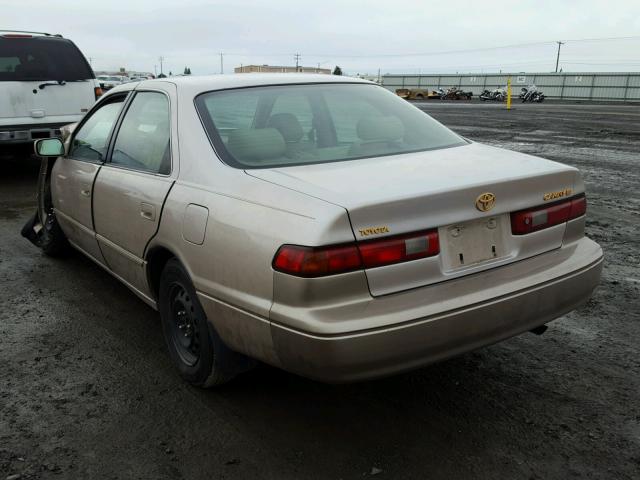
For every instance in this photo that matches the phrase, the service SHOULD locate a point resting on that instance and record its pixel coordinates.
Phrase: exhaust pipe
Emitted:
(539, 330)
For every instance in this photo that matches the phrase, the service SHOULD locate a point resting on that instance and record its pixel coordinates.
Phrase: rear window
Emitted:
(265, 127)
(41, 58)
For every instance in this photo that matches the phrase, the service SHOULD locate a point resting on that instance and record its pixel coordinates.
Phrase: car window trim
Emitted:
(96, 107)
(118, 124)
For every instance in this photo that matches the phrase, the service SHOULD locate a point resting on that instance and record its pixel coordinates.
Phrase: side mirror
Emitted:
(48, 147)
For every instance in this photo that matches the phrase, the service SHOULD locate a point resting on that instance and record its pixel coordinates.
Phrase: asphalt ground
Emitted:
(87, 390)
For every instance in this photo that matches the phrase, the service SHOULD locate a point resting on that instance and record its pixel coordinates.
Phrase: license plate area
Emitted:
(469, 244)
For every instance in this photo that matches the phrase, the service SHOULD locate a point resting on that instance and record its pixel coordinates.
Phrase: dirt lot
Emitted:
(87, 390)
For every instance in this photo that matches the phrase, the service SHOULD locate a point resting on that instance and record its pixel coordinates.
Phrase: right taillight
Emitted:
(312, 262)
(539, 218)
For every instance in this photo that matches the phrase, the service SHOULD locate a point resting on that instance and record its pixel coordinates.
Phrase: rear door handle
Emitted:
(85, 192)
(147, 211)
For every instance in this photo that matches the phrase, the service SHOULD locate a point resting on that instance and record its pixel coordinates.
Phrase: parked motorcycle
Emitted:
(531, 94)
(462, 94)
(497, 95)
(454, 93)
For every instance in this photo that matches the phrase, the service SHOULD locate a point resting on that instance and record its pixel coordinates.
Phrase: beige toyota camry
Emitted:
(316, 223)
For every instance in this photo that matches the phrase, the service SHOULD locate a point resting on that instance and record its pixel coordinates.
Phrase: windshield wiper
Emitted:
(59, 82)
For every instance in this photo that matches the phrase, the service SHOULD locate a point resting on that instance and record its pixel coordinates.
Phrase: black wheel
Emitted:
(196, 349)
(51, 238)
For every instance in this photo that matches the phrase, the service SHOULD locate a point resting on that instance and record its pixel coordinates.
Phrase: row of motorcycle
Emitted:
(453, 93)
(527, 94)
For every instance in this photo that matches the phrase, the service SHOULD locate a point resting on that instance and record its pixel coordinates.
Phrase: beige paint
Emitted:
(225, 226)
(72, 187)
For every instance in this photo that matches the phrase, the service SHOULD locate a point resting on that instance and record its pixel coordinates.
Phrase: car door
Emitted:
(73, 175)
(132, 185)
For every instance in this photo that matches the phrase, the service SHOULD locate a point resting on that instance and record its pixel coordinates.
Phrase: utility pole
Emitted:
(161, 59)
(558, 57)
(221, 63)
(91, 61)
(297, 58)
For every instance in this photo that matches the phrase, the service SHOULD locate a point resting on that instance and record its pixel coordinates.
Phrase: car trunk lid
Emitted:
(439, 189)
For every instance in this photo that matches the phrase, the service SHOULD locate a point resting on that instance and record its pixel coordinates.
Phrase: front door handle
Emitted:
(147, 211)
(86, 192)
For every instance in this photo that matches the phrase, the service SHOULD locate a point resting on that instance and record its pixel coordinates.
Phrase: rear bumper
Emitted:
(407, 344)
(28, 133)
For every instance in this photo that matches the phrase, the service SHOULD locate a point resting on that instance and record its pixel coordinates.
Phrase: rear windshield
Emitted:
(41, 58)
(264, 127)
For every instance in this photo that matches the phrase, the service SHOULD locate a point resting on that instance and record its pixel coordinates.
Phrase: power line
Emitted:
(471, 50)
(610, 64)
(418, 54)
(298, 56)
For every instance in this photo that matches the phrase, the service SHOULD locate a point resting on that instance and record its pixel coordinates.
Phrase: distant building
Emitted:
(277, 69)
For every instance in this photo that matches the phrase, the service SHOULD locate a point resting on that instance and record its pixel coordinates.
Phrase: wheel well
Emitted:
(156, 260)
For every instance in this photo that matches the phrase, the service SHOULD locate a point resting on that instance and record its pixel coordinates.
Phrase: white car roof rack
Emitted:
(36, 33)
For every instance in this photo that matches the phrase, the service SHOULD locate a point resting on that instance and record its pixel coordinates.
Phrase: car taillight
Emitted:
(387, 251)
(98, 92)
(539, 218)
(330, 260)
(317, 262)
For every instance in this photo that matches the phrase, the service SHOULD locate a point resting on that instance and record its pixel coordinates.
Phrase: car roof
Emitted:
(198, 84)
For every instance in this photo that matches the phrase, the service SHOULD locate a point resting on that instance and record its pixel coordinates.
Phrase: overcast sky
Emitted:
(360, 36)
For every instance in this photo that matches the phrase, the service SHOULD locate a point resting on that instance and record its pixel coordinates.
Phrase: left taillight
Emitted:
(317, 261)
(312, 262)
(98, 92)
(539, 218)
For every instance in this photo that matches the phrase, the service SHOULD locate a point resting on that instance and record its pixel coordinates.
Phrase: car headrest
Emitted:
(288, 126)
(380, 129)
(256, 144)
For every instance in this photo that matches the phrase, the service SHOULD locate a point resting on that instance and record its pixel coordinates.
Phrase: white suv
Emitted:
(45, 83)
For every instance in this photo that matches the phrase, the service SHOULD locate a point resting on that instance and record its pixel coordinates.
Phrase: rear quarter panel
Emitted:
(248, 220)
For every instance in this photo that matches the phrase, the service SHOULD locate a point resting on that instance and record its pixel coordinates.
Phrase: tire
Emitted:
(51, 238)
(196, 349)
